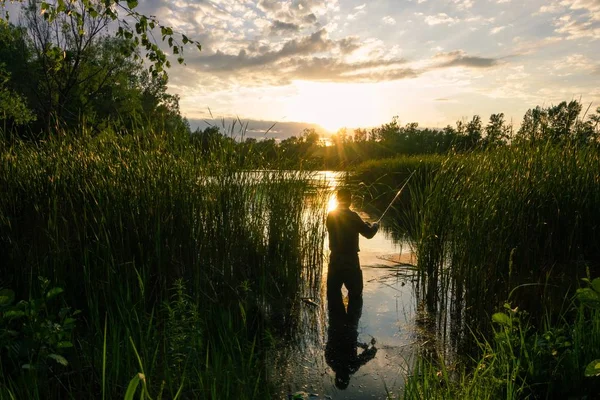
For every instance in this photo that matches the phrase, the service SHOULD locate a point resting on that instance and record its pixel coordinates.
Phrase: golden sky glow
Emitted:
(352, 63)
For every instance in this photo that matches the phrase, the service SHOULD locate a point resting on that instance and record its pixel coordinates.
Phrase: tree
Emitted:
(360, 135)
(474, 132)
(15, 109)
(97, 82)
(497, 133)
(556, 123)
(131, 25)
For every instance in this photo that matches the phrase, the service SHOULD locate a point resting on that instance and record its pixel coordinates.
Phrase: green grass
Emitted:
(173, 258)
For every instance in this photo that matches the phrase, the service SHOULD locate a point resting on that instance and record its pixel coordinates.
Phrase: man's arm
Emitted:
(365, 228)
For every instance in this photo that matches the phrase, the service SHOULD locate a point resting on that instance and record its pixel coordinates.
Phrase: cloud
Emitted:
(333, 70)
(592, 7)
(278, 27)
(441, 18)
(463, 4)
(256, 129)
(577, 28)
(497, 29)
(523, 47)
(220, 62)
(360, 10)
(348, 44)
(388, 20)
(575, 63)
(551, 9)
(459, 58)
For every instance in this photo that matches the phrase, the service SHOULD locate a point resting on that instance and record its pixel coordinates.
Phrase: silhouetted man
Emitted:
(344, 226)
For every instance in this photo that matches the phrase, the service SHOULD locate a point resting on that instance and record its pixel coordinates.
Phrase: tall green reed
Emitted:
(492, 221)
(118, 222)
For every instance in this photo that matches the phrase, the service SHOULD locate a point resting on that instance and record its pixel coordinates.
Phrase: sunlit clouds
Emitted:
(358, 64)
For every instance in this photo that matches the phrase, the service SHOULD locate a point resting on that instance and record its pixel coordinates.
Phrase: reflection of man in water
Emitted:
(341, 352)
(344, 226)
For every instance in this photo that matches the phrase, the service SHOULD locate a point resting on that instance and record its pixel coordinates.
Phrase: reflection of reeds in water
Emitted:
(118, 222)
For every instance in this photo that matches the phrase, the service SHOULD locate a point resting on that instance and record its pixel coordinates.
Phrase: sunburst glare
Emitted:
(333, 203)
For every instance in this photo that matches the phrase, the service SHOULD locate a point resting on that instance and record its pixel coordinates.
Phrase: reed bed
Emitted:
(516, 215)
(178, 262)
(516, 225)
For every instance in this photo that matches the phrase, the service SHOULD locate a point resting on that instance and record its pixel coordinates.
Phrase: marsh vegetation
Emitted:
(141, 257)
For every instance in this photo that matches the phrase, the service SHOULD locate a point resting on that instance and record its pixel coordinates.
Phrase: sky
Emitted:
(338, 63)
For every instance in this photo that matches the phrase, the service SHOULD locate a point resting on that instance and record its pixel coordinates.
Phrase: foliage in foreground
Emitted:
(522, 362)
(177, 265)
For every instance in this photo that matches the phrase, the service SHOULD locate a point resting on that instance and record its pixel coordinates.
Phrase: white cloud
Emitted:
(441, 18)
(357, 14)
(551, 9)
(360, 7)
(574, 63)
(591, 6)
(388, 20)
(463, 4)
(577, 28)
(261, 23)
(497, 30)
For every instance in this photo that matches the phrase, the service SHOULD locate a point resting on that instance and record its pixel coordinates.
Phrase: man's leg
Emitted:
(335, 281)
(354, 284)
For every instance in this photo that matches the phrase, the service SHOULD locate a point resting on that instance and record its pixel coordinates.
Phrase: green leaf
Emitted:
(588, 297)
(133, 384)
(64, 345)
(132, 3)
(14, 314)
(593, 368)
(59, 359)
(596, 285)
(52, 293)
(6, 297)
(501, 319)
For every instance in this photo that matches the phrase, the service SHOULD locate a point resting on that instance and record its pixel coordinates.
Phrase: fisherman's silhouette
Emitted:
(344, 227)
(342, 350)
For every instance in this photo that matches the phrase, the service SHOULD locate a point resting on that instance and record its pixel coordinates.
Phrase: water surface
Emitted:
(387, 324)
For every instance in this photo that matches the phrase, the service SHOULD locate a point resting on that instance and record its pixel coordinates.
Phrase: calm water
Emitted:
(386, 326)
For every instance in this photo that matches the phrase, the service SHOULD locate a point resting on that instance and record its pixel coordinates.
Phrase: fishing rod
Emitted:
(397, 195)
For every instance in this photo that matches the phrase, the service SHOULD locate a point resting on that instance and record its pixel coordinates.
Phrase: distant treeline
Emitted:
(566, 121)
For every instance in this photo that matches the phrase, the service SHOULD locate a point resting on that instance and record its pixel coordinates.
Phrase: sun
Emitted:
(336, 105)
